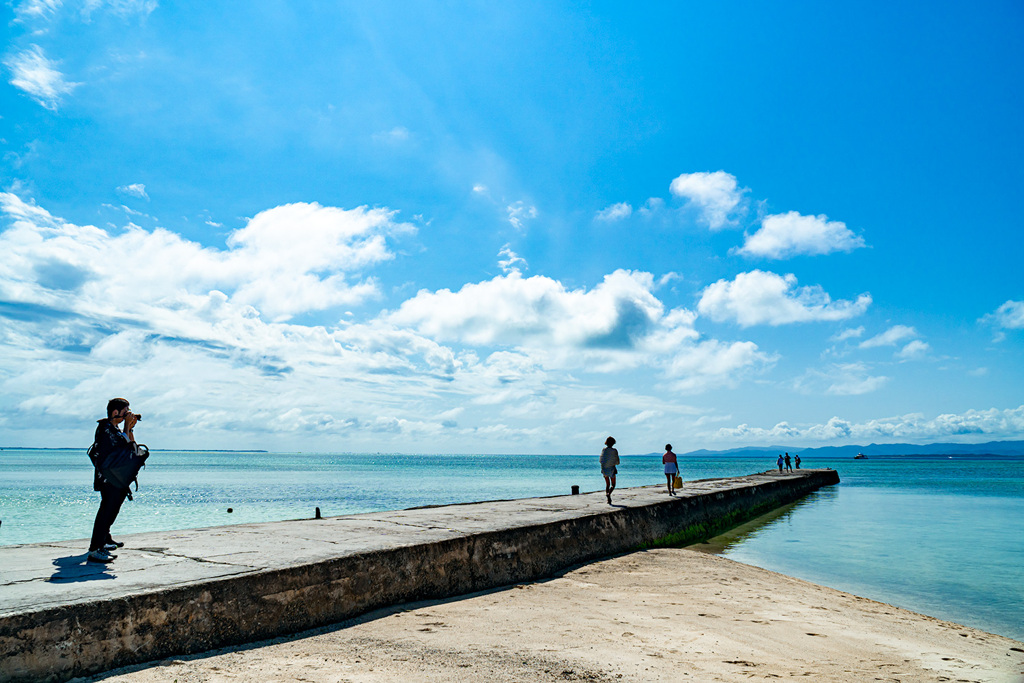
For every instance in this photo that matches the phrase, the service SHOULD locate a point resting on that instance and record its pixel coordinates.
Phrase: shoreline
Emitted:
(656, 615)
(171, 594)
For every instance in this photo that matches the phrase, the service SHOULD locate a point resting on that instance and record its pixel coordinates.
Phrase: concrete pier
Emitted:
(181, 592)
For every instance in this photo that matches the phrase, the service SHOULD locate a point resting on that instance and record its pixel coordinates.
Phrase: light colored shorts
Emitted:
(609, 471)
(671, 468)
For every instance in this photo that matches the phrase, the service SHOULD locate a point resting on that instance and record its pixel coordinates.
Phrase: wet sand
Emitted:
(660, 615)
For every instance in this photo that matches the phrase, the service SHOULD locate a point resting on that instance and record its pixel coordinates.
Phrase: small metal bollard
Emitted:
(575, 490)
(318, 514)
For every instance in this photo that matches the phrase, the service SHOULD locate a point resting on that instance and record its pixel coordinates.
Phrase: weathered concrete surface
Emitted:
(189, 591)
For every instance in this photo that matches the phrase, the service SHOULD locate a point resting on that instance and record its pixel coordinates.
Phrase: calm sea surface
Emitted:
(939, 535)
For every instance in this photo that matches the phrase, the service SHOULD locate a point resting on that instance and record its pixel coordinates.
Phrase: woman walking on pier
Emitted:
(609, 459)
(671, 468)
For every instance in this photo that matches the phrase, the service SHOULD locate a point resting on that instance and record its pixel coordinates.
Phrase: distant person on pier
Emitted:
(796, 459)
(789, 464)
(117, 459)
(609, 459)
(671, 468)
(780, 463)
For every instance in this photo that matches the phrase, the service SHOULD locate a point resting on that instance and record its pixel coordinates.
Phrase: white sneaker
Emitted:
(101, 556)
(110, 546)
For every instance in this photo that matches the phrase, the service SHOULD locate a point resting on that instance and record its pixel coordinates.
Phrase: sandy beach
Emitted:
(660, 615)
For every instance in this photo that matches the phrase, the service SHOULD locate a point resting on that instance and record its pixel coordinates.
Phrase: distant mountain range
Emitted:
(990, 448)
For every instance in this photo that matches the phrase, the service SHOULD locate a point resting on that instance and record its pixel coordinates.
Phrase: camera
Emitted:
(138, 418)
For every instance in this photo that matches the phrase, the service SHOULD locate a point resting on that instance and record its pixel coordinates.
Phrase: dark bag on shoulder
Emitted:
(121, 466)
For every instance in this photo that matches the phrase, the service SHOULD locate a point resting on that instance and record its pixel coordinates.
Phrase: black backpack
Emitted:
(121, 466)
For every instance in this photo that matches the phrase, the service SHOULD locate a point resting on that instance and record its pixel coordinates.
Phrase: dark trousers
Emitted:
(111, 498)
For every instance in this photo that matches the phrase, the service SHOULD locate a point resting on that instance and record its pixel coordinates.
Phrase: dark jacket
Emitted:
(108, 439)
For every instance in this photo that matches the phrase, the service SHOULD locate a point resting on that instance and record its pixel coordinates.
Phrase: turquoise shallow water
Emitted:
(939, 535)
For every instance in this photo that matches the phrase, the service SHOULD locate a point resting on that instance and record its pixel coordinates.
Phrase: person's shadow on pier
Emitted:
(74, 568)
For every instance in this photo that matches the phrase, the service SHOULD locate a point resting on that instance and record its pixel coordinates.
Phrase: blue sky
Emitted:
(511, 227)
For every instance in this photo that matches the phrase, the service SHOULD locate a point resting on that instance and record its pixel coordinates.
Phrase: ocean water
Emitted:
(938, 535)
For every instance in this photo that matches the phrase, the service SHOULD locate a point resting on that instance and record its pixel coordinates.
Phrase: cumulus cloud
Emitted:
(840, 379)
(520, 212)
(652, 207)
(616, 325)
(714, 195)
(38, 77)
(992, 423)
(90, 313)
(765, 298)
(511, 261)
(615, 212)
(1009, 316)
(791, 234)
(286, 261)
(538, 311)
(713, 363)
(848, 333)
(195, 333)
(134, 190)
(891, 337)
(915, 350)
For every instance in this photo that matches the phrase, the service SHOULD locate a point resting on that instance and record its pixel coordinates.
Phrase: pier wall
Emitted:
(78, 639)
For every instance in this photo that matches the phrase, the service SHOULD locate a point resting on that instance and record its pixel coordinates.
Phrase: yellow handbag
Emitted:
(677, 482)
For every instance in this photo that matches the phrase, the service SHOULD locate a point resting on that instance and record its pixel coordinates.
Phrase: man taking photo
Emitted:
(113, 445)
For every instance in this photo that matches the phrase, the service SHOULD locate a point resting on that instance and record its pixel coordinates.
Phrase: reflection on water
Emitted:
(720, 545)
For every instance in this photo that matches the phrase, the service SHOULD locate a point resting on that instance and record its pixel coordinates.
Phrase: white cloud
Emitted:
(615, 212)
(1009, 316)
(286, 261)
(480, 189)
(758, 298)
(519, 212)
(644, 416)
(891, 337)
(511, 261)
(715, 195)
(848, 333)
(36, 10)
(617, 325)
(991, 424)
(915, 350)
(33, 73)
(31, 10)
(652, 207)
(134, 190)
(131, 312)
(790, 234)
(538, 311)
(840, 379)
(714, 363)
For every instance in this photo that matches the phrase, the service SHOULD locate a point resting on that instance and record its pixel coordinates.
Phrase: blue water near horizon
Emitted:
(941, 535)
